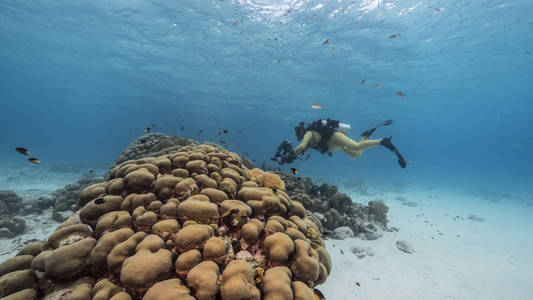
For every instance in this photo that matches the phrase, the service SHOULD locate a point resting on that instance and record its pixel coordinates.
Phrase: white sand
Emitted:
(492, 259)
(33, 181)
(38, 227)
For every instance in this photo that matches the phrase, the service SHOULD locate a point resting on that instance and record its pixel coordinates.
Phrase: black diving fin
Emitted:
(369, 132)
(386, 123)
(401, 161)
(386, 142)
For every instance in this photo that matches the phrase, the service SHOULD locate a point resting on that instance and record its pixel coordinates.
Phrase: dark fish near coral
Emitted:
(153, 125)
(182, 128)
(222, 141)
(318, 295)
(91, 171)
(147, 129)
(363, 81)
(326, 41)
(245, 153)
(342, 252)
(294, 171)
(394, 35)
(378, 85)
(23, 151)
(34, 160)
(398, 93)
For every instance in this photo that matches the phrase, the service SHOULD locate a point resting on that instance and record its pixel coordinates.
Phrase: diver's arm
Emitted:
(304, 144)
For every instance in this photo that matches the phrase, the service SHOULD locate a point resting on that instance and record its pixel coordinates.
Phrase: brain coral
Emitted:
(193, 224)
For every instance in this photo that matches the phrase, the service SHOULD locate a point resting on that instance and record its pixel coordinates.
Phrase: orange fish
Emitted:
(400, 94)
(317, 106)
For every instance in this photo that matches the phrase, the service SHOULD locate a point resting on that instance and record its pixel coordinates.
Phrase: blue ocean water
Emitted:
(80, 80)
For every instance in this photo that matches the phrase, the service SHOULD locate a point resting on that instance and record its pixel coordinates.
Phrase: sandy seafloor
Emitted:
(452, 259)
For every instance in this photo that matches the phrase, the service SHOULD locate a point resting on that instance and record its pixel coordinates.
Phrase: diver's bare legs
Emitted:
(355, 149)
(310, 139)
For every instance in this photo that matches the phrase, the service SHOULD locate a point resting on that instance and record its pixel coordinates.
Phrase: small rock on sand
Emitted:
(342, 233)
(404, 247)
(475, 218)
(401, 199)
(361, 252)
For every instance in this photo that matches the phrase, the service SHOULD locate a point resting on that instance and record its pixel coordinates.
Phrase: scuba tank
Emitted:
(337, 125)
(344, 127)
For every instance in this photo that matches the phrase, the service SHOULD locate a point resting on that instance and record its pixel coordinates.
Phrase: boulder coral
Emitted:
(191, 224)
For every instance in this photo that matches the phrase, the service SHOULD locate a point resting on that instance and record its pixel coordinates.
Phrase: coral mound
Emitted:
(153, 144)
(193, 224)
(337, 210)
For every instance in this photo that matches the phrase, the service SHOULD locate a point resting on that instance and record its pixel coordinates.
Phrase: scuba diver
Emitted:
(329, 135)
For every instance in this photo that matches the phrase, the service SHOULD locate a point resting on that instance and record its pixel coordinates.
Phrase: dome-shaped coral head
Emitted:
(186, 188)
(226, 232)
(234, 214)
